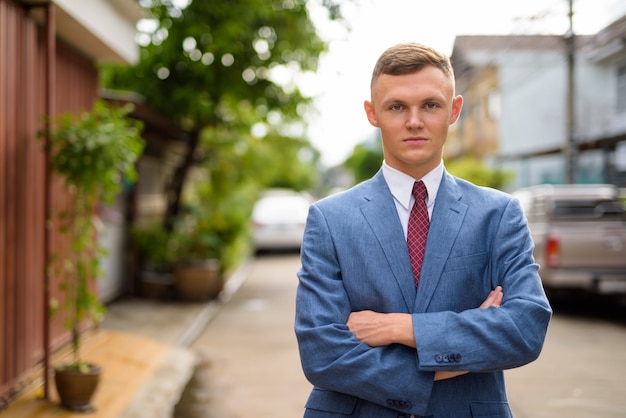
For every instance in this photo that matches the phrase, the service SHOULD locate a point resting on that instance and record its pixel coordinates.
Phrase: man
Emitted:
(378, 340)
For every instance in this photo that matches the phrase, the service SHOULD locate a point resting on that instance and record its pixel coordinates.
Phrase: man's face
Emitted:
(413, 112)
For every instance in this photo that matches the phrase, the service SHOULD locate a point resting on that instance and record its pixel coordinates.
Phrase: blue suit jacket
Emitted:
(354, 257)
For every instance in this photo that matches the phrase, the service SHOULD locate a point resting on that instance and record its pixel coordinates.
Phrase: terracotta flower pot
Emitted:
(200, 280)
(76, 387)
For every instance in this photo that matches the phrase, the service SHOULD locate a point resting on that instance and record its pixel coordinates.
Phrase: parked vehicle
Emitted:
(580, 236)
(278, 220)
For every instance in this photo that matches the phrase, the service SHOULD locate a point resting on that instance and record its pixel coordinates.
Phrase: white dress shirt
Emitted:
(401, 186)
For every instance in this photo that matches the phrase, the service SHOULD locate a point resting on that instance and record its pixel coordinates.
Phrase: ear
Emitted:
(457, 105)
(369, 112)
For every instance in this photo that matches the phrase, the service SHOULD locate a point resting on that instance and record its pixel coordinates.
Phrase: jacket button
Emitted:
(438, 358)
(457, 357)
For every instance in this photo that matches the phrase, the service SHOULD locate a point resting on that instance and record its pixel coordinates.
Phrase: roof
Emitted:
(478, 50)
(609, 43)
(516, 42)
(103, 30)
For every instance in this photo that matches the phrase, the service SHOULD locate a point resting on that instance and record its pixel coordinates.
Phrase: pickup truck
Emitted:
(580, 236)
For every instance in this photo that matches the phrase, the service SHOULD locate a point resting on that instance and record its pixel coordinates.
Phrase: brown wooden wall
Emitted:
(22, 186)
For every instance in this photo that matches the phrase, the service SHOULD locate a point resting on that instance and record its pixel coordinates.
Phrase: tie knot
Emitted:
(419, 190)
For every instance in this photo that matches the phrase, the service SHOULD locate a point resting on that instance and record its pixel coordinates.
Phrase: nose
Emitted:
(414, 120)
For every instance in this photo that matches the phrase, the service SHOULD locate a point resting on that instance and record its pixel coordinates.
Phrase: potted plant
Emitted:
(209, 236)
(196, 248)
(93, 152)
(154, 260)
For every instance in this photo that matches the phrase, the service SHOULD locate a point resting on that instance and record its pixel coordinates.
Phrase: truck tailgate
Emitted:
(591, 244)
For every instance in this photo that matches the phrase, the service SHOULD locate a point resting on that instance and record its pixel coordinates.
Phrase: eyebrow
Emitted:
(392, 100)
(428, 99)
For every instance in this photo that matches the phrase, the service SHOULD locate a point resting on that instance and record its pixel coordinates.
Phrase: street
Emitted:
(581, 372)
(249, 365)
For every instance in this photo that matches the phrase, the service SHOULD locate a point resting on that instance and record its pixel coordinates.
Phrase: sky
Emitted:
(341, 84)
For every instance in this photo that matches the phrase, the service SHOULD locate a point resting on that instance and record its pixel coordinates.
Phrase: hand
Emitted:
(493, 299)
(379, 329)
(441, 375)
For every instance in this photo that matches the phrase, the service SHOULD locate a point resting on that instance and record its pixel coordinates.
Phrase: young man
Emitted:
(382, 337)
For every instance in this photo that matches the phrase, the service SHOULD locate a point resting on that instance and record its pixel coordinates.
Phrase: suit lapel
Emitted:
(447, 219)
(380, 212)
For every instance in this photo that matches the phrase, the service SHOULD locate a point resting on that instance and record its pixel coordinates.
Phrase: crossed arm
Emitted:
(381, 329)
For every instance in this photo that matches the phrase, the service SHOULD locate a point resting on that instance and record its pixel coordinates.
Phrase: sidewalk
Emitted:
(143, 348)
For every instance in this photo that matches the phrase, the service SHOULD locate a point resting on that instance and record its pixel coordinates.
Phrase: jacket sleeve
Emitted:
(332, 358)
(483, 340)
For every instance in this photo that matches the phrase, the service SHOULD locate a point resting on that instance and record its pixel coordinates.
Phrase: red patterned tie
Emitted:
(418, 229)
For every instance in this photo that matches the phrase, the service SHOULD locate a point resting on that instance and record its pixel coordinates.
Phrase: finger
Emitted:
(489, 300)
(499, 297)
(442, 375)
(493, 299)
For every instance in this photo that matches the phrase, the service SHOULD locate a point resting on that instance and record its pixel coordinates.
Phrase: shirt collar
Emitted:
(401, 184)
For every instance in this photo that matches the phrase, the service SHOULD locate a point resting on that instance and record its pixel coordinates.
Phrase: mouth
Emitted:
(415, 140)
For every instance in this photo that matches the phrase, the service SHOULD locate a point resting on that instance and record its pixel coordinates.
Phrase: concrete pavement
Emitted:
(249, 361)
(143, 348)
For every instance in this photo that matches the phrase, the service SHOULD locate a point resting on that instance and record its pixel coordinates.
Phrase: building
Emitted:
(516, 114)
(49, 56)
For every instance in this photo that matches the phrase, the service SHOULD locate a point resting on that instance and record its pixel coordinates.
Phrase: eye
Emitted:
(431, 106)
(396, 107)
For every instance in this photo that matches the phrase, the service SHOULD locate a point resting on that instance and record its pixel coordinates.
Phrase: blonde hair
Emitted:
(408, 58)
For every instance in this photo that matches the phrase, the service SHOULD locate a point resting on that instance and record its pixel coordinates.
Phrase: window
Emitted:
(494, 105)
(621, 89)
(588, 209)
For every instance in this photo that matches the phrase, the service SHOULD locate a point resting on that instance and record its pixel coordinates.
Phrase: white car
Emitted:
(278, 220)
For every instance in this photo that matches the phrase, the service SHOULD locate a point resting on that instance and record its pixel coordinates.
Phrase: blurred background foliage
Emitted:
(474, 170)
(225, 73)
(366, 159)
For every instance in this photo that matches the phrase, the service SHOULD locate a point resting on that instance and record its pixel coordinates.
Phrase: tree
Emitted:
(474, 170)
(366, 159)
(225, 65)
(94, 152)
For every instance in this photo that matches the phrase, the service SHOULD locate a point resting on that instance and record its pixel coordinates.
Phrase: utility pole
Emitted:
(571, 149)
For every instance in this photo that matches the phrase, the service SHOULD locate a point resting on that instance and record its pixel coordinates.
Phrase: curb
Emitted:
(208, 312)
(159, 397)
